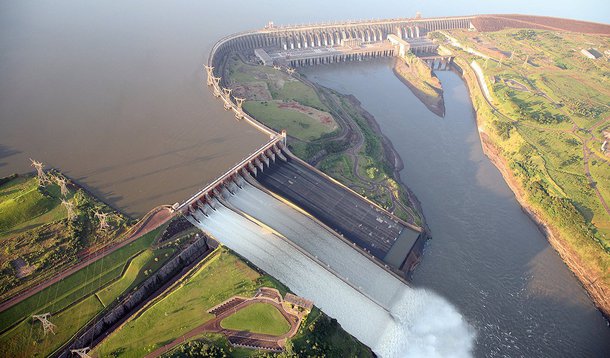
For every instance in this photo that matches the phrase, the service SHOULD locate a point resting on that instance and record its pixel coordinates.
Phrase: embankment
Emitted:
(586, 272)
(420, 79)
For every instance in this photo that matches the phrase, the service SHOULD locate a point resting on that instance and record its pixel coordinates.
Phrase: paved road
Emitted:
(213, 325)
(151, 221)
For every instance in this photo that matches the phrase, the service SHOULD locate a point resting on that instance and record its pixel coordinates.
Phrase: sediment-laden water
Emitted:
(369, 303)
(486, 255)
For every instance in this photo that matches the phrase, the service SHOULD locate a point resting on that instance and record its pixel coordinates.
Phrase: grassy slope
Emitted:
(34, 229)
(22, 205)
(258, 318)
(296, 123)
(282, 88)
(81, 289)
(222, 276)
(27, 339)
(546, 156)
(78, 285)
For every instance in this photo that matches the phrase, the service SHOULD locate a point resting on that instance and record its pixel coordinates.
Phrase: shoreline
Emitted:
(435, 105)
(599, 295)
(392, 157)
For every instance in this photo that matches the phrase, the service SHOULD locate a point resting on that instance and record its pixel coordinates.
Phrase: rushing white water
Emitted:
(372, 305)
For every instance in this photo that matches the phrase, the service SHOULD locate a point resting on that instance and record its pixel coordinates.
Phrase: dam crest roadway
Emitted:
(317, 236)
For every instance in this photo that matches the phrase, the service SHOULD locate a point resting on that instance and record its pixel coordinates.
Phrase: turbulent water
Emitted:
(485, 255)
(369, 303)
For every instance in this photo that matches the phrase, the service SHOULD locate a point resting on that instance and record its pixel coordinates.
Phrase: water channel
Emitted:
(486, 254)
(113, 94)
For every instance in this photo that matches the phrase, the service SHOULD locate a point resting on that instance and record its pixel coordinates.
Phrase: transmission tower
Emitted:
(46, 325)
(43, 179)
(239, 102)
(290, 70)
(70, 208)
(227, 92)
(63, 187)
(103, 219)
(210, 72)
(81, 352)
(276, 67)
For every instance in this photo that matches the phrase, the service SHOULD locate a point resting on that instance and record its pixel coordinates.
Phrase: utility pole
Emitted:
(103, 219)
(43, 179)
(63, 187)
(210, 73)
(46, 325)
(70, 208)
(240, 112)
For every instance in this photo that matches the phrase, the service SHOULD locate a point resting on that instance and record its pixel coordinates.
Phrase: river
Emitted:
(113, 94)
(394, 320)
(485, 253)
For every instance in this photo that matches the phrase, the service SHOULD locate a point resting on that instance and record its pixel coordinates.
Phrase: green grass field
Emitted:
(283, 88)
(260, 318)
(296, 123)
(76, 286)
(28, 340)
(561, 114)
(22, 205)
(221, 276)
(78, 298)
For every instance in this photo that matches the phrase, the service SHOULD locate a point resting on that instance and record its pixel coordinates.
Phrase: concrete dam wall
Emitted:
(369, 301)
(333, 35)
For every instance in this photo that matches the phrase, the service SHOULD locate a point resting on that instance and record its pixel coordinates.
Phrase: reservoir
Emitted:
(114, 95)
(486, 255)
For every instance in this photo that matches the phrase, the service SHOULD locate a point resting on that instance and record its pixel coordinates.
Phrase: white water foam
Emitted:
(414, 323)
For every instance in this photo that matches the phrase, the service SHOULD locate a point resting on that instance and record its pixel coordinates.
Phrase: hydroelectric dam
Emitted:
(320, 238)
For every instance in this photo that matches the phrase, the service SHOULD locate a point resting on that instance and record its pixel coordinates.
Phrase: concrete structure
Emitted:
(354, 35)
(255, 162)
(591, 53)
(382, 235)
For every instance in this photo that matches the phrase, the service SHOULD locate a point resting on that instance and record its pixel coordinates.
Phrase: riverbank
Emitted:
(330, 131)
(590, 276)
(422, 82)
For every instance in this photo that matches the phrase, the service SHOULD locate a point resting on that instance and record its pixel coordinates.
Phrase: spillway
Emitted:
(369, 302)
(317, 240)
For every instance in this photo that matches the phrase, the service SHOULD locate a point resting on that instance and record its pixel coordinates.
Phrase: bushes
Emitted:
(585, 109)
(502, 128)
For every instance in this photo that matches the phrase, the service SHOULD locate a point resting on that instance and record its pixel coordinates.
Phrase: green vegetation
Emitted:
(280, 101)
(210, 345)
(28, 340)
(78, 298)
(553, 102)
(363, 168)
(138, 269)
(218, 277)
(321, 336)
(22, 202)
(259, 317)
(297, 123)
(37, 238)
(421, 80)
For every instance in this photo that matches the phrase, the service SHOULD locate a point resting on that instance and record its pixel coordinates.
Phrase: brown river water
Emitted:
(114, 96)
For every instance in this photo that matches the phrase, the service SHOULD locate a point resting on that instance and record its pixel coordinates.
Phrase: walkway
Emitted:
(240, 338)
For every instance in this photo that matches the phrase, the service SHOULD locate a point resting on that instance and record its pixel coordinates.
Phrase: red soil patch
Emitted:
(498, 22)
